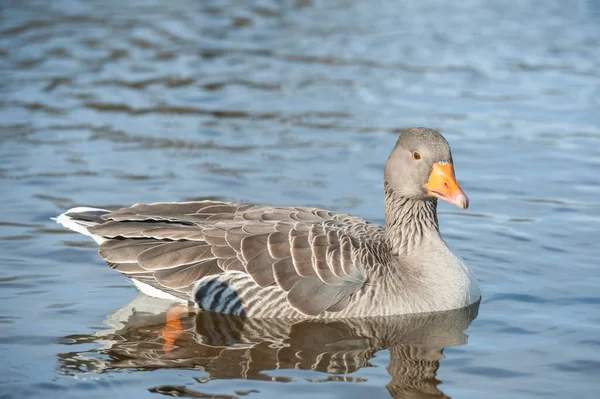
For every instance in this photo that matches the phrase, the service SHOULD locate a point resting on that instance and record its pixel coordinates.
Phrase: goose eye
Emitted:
(416, 155)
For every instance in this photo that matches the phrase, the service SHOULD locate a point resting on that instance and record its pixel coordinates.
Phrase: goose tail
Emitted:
(80, 219)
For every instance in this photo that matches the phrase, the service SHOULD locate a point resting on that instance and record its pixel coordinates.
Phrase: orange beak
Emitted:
(443, 185)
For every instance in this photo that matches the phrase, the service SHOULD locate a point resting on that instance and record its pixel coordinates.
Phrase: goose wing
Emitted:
(315, 257)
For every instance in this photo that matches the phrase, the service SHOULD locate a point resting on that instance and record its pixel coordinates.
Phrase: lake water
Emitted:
(298, 102)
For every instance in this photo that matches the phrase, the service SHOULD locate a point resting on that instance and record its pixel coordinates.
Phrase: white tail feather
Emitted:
(80, 226)
(154, 292)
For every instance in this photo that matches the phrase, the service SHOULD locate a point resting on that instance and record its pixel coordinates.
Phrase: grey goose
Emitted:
(298, 262)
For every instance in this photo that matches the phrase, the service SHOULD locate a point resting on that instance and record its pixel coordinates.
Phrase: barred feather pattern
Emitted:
(407, 221)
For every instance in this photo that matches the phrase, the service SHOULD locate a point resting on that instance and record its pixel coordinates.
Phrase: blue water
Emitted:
(299, 103)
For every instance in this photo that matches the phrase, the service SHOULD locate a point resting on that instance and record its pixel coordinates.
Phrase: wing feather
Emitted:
(223, 252)
(285, 273)
(221, 208)
(252, 245)
(234, 237)
(232, 264)
(319, 261)
(128, 229)
(260, 269)
(279, 245)
(127, 268)
(191, 233)
(124, 250)
(173, 254)
(183, 276)
(302, 255)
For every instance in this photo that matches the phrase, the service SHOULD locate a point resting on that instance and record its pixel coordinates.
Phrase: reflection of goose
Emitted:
(266, 261)
(228, 347)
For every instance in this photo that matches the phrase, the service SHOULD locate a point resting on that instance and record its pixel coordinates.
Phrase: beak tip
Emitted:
(462, 201)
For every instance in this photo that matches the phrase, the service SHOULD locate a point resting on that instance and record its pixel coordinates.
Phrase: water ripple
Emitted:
(108, 103)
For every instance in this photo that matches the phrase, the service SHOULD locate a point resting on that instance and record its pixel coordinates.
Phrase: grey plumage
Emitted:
(268, 261)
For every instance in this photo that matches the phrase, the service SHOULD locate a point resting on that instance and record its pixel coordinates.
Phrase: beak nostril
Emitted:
(447, 185)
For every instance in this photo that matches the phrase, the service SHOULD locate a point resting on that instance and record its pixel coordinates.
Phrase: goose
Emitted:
(298, 262)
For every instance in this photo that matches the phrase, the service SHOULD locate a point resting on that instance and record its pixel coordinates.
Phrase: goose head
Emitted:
(420, 168)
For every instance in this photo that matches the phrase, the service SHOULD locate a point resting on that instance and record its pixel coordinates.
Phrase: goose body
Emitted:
(298, 262)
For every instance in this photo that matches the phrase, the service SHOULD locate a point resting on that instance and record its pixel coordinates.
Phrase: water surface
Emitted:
(299, 103)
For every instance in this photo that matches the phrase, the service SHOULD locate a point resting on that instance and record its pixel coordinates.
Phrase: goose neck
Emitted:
(409, 221)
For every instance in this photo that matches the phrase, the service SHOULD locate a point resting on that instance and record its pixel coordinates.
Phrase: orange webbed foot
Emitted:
(172, 330)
